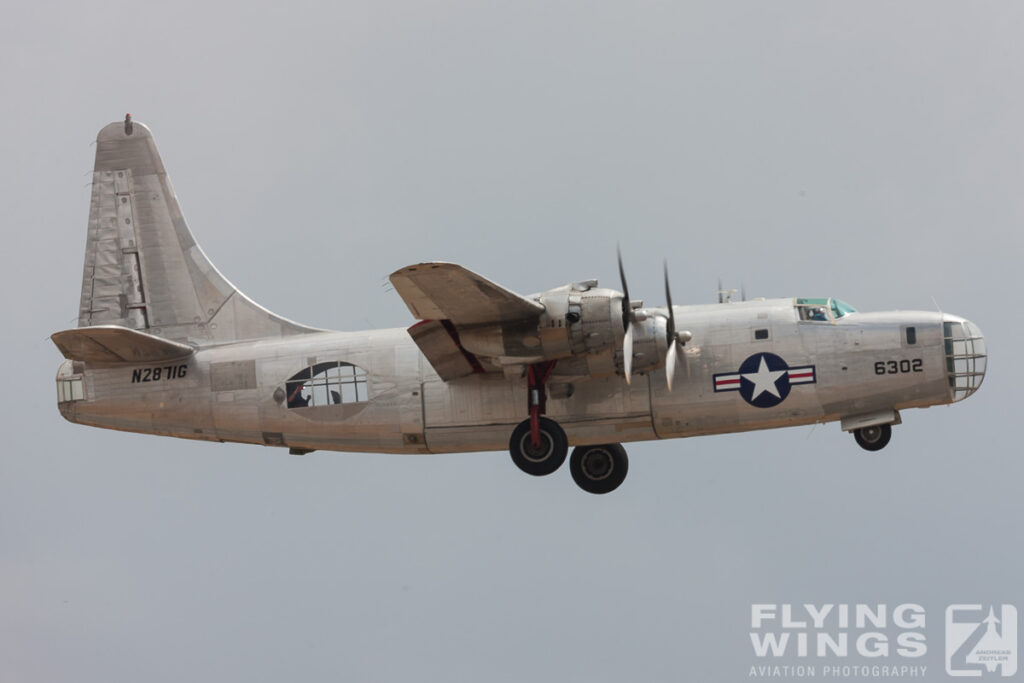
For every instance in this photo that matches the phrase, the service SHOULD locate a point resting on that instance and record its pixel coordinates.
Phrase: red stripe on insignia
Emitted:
(727, 381)
(799, 375)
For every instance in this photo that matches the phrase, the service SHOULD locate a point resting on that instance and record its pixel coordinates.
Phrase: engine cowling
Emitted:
(650, 343)
(577, 320)
(581, 326)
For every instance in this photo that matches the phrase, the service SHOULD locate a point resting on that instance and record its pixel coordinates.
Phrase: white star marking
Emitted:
(764, 380)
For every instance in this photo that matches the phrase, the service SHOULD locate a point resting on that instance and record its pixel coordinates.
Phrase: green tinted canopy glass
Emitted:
(841, 308)
(838, 307)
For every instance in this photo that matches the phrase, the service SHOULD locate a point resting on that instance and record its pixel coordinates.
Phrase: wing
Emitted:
(446, 291)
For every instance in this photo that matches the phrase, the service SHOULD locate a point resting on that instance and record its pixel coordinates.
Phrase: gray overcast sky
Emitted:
(870, 150)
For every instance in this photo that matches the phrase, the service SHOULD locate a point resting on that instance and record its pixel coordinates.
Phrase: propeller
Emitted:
(627, 321)
(627, 309)
(675, 340)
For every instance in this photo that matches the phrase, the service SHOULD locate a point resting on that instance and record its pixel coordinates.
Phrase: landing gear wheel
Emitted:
(599, 469)
(544, 459)
(873, 438)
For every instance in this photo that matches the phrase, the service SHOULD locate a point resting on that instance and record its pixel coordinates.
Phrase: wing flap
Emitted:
(446, 291)
(440, 344)
(116, 344)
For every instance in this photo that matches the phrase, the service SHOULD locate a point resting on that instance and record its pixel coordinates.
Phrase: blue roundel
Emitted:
(764, 380)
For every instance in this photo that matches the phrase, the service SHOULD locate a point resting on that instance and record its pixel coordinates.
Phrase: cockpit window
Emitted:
(325, 384)
(823, 310)
(813, 309)
(841, 308)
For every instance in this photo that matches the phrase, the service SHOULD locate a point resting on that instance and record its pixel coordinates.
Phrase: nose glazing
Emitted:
(966, 356)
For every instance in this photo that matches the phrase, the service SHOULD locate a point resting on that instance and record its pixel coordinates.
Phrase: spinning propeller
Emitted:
(673, 340)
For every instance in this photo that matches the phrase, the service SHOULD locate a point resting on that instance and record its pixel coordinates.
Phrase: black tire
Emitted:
(599, 469)
(540, 461)
(873, 438)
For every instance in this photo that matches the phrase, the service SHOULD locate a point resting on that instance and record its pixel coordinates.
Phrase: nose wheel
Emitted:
(873, 438)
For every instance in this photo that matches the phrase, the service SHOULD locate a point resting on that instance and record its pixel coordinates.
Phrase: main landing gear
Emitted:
(599, 469)
(538, 444)
(543, 456)
(873, 438)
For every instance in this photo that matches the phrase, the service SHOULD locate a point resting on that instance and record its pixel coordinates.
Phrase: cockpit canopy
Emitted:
(823, 310)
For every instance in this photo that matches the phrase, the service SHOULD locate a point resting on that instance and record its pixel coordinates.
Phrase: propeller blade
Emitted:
(720, 299)
(670, 363)
(670, 328)
(627, 309)
(743, 292)
(627, 352)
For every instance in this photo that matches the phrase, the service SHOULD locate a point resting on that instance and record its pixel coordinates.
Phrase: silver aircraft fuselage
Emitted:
(863, 371)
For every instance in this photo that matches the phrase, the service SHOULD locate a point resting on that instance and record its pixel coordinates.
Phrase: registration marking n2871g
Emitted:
(157, 374)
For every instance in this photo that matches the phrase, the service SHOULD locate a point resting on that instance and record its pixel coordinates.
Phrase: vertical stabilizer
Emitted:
(143, 268)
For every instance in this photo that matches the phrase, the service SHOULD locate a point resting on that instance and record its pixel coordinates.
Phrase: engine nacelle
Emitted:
(578, 320)
(650, 343)
(581, 326)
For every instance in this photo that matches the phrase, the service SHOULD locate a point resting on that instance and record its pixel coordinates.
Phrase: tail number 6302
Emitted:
(894, 367)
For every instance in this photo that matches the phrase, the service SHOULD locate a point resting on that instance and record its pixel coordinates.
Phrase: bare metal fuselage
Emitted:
(236, 391)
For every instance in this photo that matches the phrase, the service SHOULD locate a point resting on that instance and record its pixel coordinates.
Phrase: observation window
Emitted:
(325, 384)
(965, 358)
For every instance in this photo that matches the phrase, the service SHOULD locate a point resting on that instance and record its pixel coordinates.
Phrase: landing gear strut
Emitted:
(538, 445)
(873, 438)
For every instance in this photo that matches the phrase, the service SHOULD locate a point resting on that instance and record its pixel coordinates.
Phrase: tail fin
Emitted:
(143, 268)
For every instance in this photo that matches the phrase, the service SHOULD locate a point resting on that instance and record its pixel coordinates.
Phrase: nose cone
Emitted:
(965, 356)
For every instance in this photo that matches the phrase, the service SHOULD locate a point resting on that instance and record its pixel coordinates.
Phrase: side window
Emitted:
(325, 384)
(911, 335)
(69, 389)
(816, 313)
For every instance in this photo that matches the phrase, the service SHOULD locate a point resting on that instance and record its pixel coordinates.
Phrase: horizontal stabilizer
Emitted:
(440, 344)
(446, 291)
(116, 344)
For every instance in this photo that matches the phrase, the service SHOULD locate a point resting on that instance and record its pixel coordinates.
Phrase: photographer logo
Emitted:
(981, 640)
